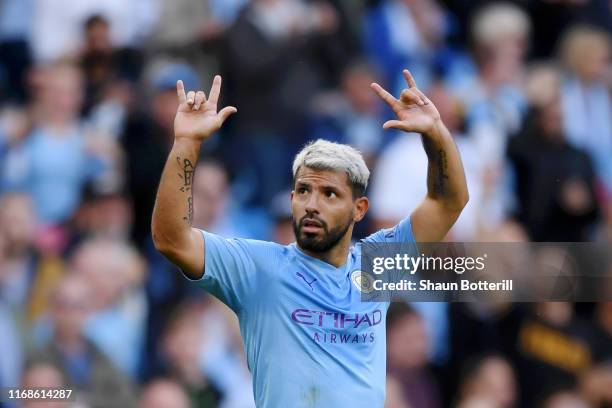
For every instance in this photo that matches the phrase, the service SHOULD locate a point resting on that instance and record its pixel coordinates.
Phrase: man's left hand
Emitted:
(415, 112)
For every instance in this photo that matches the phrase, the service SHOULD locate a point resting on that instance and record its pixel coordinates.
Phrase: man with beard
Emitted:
(309, 339)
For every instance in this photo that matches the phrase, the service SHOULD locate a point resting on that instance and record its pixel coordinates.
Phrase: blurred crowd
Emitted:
(87, 101)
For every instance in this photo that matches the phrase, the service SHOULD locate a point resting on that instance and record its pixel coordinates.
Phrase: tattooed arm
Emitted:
(196, 120)
(447, 192)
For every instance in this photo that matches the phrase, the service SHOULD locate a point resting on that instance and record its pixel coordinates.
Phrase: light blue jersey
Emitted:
(309, 340)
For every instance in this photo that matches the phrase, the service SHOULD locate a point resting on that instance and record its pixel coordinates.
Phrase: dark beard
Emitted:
(329, 240)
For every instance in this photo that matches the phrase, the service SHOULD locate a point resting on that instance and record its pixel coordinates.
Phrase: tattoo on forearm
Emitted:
(441, 180)
(437, 177)
(187, 176)
(189, 218)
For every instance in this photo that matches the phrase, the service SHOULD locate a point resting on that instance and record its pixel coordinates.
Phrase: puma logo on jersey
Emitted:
(300, 275)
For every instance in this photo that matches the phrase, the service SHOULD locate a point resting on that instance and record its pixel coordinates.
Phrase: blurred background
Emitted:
(87, 102)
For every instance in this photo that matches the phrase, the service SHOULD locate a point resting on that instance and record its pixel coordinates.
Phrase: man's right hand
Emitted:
(197, 117)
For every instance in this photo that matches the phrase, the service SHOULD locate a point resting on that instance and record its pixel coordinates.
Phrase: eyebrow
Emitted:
(324, 186)
(300, 182)
(330, 187)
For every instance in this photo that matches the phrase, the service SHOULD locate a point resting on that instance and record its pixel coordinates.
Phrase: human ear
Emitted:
(361, 208)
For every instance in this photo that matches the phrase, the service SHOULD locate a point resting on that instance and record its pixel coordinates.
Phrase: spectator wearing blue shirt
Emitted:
(56, 159)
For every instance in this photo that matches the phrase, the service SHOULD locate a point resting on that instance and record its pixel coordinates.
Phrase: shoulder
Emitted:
(260, 246)
(254, 248)
(395, 233)
(252, 244)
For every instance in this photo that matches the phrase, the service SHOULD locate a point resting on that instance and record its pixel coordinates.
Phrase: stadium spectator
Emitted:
(554, 181)
(44, 375)
(554, 346)
(407, 359)
(130, 23)
(565, 14)
(163, 393)
(102, 214)
(494, 99)
(88, 371)
(115, 272)
(105, 66)
(354, 115)
(488, 380)
(409, 33)
(211, 201)
(481, 328)
(55, 160)
(182, 347)
(32, 264)
(223, 360)
(199, 25)
(268, 52)
(585, 97)
(202, 29)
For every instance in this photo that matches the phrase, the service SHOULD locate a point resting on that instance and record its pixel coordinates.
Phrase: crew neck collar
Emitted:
(311, 258)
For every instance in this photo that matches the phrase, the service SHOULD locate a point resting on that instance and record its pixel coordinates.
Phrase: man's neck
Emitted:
(336, 256)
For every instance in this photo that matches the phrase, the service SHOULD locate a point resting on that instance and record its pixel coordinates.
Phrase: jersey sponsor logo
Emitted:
(329, 319)
(343, 338)
(362, 281)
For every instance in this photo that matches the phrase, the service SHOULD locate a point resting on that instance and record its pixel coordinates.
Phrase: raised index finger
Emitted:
(213, 97)
(409, 79)
(386, 96)
(180, 92)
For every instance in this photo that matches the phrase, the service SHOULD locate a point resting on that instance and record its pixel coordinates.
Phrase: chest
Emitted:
(329, 311)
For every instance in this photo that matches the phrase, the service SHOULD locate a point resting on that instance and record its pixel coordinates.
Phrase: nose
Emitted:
(312, 206)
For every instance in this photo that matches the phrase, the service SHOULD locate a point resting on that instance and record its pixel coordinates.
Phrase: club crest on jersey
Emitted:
(362, 281)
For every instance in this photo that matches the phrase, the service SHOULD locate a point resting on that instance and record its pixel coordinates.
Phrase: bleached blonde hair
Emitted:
(326, 155)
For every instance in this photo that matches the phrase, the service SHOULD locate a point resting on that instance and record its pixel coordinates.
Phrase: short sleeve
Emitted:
(400, 233)
(229, 270)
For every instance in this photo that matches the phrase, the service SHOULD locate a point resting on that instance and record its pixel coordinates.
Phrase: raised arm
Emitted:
(447, 192)
(196, 120)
